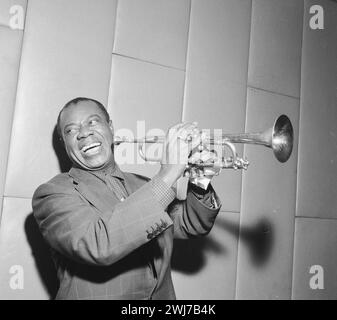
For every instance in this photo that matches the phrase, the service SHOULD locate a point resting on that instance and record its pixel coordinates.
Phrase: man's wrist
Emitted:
(162, 191)
(169, 174)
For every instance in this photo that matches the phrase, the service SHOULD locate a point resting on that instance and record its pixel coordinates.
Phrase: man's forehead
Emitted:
(81, 111)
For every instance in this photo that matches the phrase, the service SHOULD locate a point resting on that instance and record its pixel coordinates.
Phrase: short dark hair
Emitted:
(76, 101)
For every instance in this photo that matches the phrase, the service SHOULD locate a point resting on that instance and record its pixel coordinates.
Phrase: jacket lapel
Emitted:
(133, 182)
(93, 189)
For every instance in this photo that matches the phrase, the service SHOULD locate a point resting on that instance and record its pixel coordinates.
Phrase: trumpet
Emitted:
(279, 138)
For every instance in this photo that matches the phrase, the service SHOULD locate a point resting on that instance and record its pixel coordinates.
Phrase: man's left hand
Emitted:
(201, 176)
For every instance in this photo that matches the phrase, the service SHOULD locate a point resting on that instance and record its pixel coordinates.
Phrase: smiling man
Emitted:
(86, 129)
(111, 232)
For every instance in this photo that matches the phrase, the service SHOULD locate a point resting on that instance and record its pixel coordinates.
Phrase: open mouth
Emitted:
(91, 148)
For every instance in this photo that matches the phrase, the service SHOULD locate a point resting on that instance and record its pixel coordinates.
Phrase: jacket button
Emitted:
(163, 223)
(158, 229)
(149, 235)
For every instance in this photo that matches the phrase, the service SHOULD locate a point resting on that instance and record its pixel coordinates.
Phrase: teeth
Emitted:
(92, 145)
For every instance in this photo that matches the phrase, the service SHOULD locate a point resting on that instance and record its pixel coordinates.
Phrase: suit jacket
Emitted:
(107, 249)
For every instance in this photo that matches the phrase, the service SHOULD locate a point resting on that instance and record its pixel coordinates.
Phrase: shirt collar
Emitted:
(112, 170)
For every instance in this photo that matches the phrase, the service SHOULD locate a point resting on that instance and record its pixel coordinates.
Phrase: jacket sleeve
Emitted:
(194, 216)
(74, 228)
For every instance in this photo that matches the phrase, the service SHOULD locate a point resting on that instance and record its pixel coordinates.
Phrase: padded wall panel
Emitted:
(66, 53)
(1, 200)
(21, 250)
(216, 76)
(153, 30)
(10, 53)
(144, 99)
(205, 268)
(10, 9)
(315, 245)
(317, 167)
(267, 205)
(275, 50)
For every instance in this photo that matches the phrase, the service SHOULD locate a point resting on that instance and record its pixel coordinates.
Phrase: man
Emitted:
(111, 232)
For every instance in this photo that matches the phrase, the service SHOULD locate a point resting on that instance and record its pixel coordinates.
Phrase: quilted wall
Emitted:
(233, 65)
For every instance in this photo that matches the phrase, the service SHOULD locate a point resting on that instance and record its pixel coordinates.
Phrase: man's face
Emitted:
(87, 135)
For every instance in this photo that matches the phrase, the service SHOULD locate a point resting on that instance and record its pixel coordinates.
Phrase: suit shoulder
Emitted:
(55, 184)
(61, 178)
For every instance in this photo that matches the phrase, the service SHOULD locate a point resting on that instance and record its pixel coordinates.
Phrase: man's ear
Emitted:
(111, 126)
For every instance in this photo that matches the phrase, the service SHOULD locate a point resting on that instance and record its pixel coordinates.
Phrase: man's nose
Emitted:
(84, 132)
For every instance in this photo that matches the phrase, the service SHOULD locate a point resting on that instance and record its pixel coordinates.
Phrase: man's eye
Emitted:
(93, 122)
(70, 131)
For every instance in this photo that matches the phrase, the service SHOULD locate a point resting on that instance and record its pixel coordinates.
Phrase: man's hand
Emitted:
(181, 139)
(202, 176)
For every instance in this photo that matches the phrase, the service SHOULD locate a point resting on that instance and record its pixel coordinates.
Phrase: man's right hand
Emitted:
(181, 139)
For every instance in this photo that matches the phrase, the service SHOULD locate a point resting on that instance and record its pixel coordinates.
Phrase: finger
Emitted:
(185, 131)
(174, 132)
(195, 157)
(177, 125)
(208, 156)
(174, 129)
(210, 172)
(196, 139)
(190, 133)
(203, 157)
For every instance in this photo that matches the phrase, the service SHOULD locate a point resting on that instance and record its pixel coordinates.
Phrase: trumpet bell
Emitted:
(282, 138)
